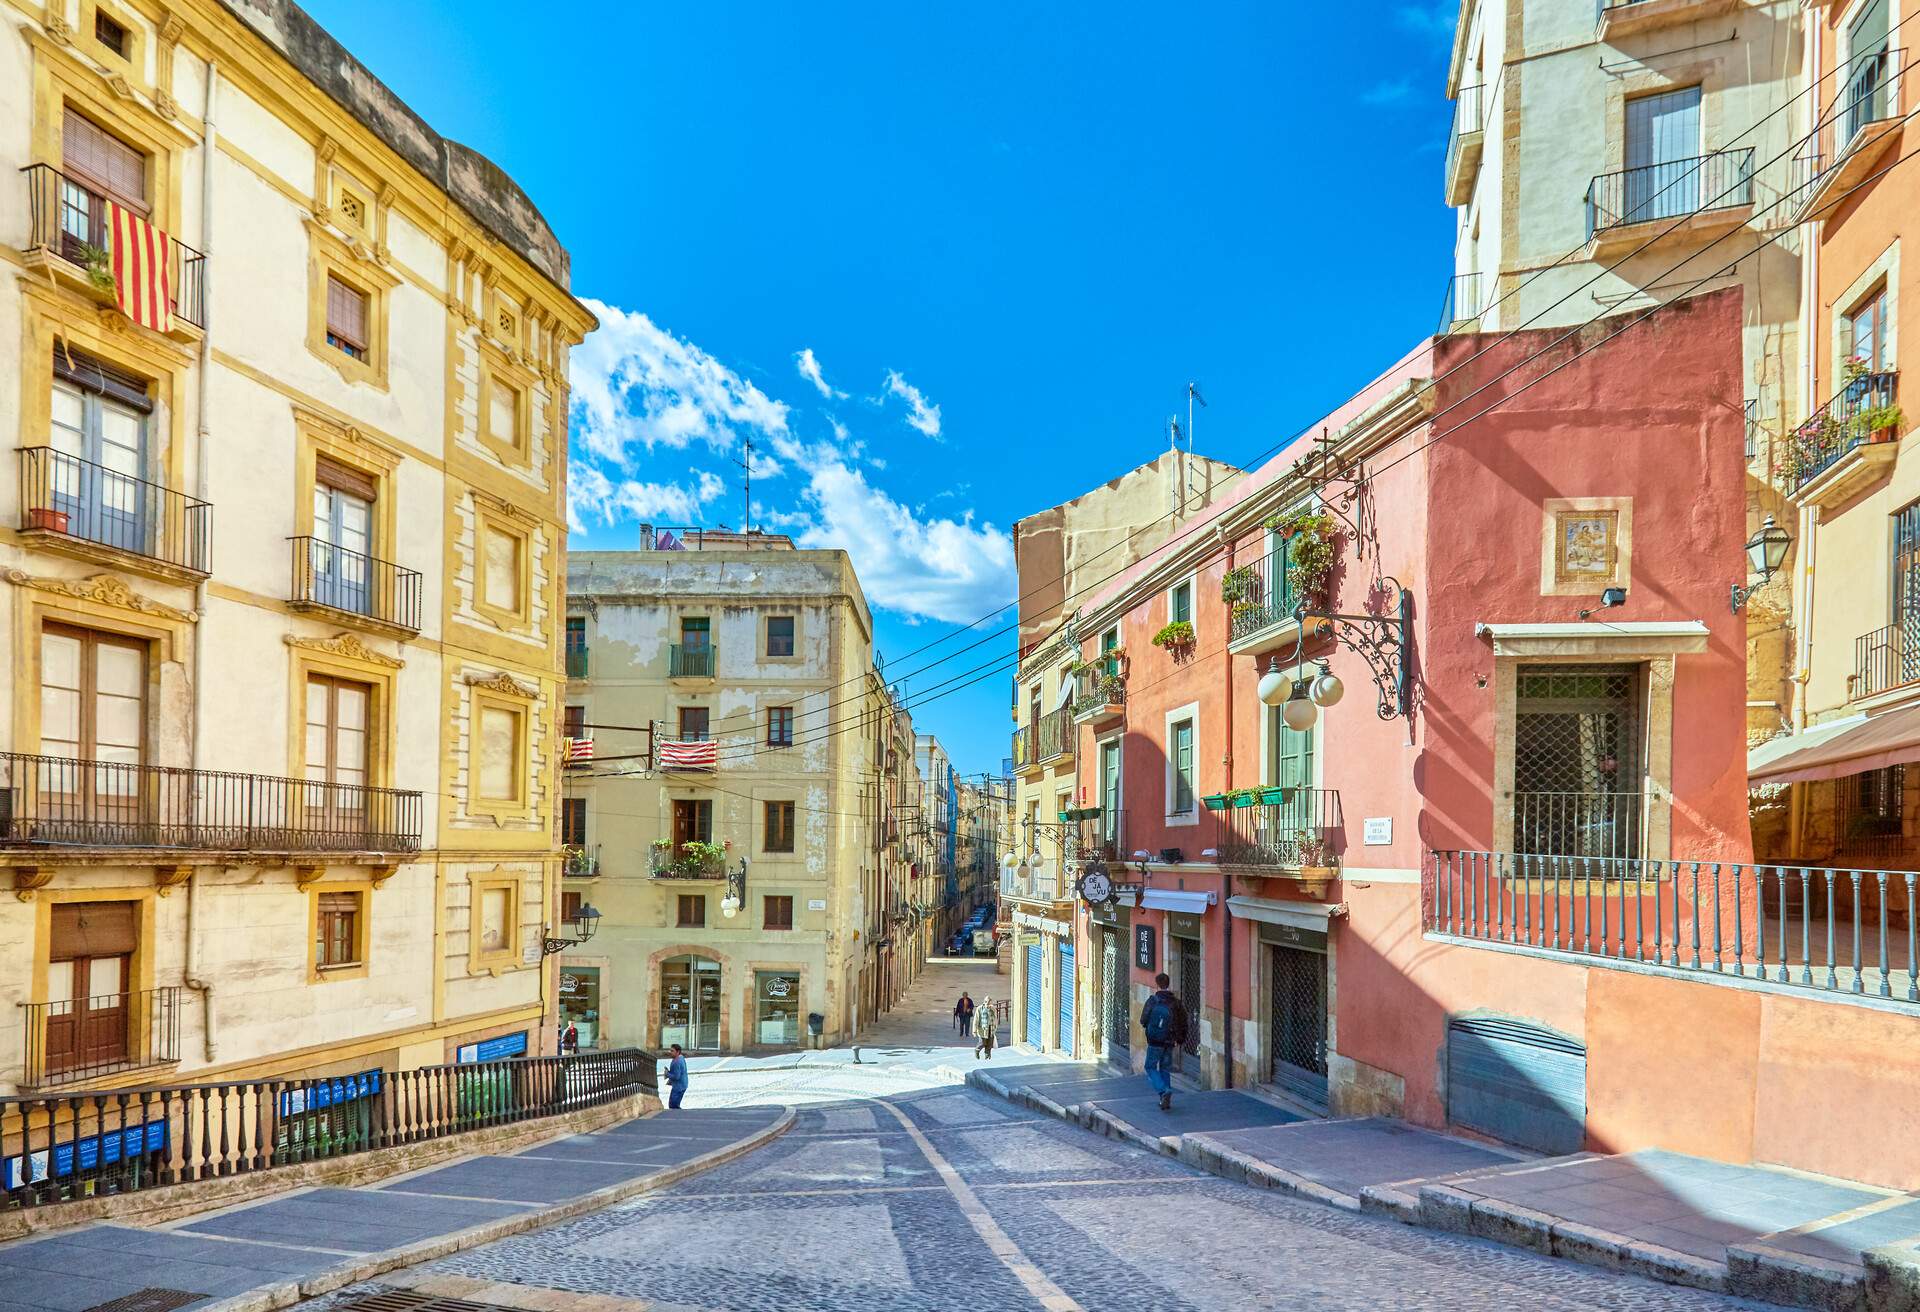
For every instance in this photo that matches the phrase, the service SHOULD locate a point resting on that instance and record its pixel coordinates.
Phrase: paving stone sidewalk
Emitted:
(252, 1255)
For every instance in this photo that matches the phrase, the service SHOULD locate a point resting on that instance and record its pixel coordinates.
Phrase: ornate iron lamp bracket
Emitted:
(1384, 642)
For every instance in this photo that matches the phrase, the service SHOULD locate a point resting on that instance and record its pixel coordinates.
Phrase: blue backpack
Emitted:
(1159, 1019)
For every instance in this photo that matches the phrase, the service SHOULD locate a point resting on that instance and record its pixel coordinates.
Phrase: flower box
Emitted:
(1276, 796)
(1217, 802)
(45, 517)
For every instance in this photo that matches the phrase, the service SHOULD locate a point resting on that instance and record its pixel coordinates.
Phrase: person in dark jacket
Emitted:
(1164, 1021)
(676, 1078)
(963, 1014)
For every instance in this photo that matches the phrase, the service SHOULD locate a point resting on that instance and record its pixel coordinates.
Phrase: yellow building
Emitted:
(730, 868)
(282, 562)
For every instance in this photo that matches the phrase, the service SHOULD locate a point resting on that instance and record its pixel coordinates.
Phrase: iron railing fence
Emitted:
(1099, 685)
(61, 493)
(63, 801)
(691, 661)
(78, 1039)
(1101, 837)
(63, 1147)
(1026, 746)
(1887, 658)
(1846, 421)
(1469, 116)
(688, 865)
(1259, 594)
(358, 584)
(67, 218)
(1837, 930)
(579, 861)
(1577, 823)
(1671, 189)
(1461, 303)
(1867, 93)
(1286, 828)
(1054, 734)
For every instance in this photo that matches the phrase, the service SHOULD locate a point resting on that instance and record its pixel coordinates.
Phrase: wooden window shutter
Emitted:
(92, 929)
(96, 157)
(346, 312)
(340, 902)
(91, 375)
(344, 478)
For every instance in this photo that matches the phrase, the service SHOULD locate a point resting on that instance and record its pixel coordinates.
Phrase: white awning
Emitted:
(1301, 915)
(1167, 899)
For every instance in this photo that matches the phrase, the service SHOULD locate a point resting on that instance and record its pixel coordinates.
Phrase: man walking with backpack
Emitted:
(1164, 1021)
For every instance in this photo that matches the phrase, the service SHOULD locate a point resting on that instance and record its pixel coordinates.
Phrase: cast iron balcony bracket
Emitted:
(584, 924)
(1384, 642)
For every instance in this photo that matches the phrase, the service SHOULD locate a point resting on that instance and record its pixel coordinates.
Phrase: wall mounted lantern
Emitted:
(1766, 553)
(584, 924)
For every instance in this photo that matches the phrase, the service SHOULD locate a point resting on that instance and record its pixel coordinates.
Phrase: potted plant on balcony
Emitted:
(1882, 422)
(1239, 585)
(99, 266)
(1216, 801)
(47, 518)
(702, 856)
(1316, 866)
(1175, 638)
(1275, 796)
(1241, 798)
(1312, 550)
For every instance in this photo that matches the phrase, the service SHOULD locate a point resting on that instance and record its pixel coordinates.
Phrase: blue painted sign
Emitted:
(88, 1154)
(496, 1049)
(329, 1093)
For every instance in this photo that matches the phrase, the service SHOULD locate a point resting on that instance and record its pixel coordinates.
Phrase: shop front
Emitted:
(1110, 936)
(580, 1002)
(690, 1003)
(1293, 994)
(776, 1008)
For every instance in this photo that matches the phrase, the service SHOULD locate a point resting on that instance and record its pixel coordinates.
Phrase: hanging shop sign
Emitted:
(1143, 945)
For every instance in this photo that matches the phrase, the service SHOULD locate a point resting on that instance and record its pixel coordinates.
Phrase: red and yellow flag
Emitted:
(142, 286)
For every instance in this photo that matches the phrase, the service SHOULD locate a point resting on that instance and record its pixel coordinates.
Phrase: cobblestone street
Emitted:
(896, 1189)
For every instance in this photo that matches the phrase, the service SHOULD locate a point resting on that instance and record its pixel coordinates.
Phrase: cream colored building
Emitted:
(731, 888)
(281, 566)
(1610, 157)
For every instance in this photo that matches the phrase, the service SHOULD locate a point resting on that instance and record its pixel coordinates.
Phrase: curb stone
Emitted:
(267, 1298)
(1893, 1278)
(1758, 1271)
(1443, 1207)
(1390, 1201)
(1517, 1227)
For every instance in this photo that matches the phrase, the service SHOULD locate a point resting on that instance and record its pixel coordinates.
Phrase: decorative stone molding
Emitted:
(502, 682)
(106, 589)
(502, 507)
(164, 105)
(347, 645)
(305, 877)
(168, 878)
(28, 878)
(326, 150)
(58, 27)
(172, 29)
(382, 873)
(120, 87)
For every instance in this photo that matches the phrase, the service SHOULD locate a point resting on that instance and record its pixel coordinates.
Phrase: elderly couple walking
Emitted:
(979, 1021)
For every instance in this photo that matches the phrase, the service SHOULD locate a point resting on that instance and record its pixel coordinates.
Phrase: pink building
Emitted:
(1505, 881)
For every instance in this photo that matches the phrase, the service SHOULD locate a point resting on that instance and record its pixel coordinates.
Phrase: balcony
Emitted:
(1886, 659)
(692, 660)
(1101, 837)
(577, 663)
(1464, 142)
(1845, 444)
(696, 860)
(1030, 886)
(1698, 197)
(48, 801)
(1053, 738)
(1851, 134)
(1622, 18)
(1460, 309)
(77, 507)
(1281, 829)
(79, 1039)
(578, 861)
(68, 236)
(1100, 692)
(346, 585)
(1261, 599)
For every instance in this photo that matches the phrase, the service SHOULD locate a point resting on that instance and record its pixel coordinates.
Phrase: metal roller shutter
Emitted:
(1066, 998)
(1035, 982)
(1517, 1081)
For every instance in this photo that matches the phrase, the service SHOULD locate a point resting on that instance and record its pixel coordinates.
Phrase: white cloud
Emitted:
(937, 568)
(809, 368)
(593, 497)
(636, 386)
(924, 415)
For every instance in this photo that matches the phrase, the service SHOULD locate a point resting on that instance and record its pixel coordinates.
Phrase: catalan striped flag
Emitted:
(142, 283)
(702, 755)
(579, 749)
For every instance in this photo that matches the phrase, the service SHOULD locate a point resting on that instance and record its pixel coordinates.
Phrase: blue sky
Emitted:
(946, 265)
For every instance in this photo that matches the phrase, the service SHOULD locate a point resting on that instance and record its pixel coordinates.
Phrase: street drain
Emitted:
(406, 1300)
(152, 1299)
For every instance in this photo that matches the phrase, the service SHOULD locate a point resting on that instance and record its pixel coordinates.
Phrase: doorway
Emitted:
(1663, 155)
(1297, 1020)
(90, 960)
(1183, 965)
(1118, 1025)
(690, 1003)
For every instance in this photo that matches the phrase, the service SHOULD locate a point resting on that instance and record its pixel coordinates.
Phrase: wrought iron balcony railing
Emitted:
(1288, 828)
(578, 861)
(79, 1039)
(350, 583)
(1868, 94)
(691, 661)
(64, 494)
(58, 800)
(1671, 189)
(1259, 594)
(1887, 658)
(1469, 120)
(1053, 734)
(68, 219)
(1026, 747)
(1101, 838)
(1577, 824)
(687, 865)
(1099, 686)
(1845, 422)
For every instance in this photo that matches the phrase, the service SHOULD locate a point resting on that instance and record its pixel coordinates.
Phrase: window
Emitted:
(776, 1007)
(692, 821)
(503, 413)
(779, 726)
(576, 633)
(1578, 760)
(337, 725)
(347, 319)
(500, 741)
(692, 909)
(779, 635)
(1865, 333)
(96, 161)
(695, 632)
(570, 904)
(496, 904)
(693, 724)
(1109, 643)
(573, 821)
(93, 691)
(338, 941)
(1662, 176)
(573, 722)
(779, 827)
(98, 436)
(110, 34)
(500, 573)
(776, 913)
(1906, 570)
(340, 556)
(1180, 603)
(90, 950)
(1181, 751)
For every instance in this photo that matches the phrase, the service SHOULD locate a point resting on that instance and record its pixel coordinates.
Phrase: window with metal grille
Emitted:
(780, 726)
(779, 827)
(1577, 760)
(346, 318)
(337, 942)
(776, 913)
(1875, 802)
(693, 911)
(110, 34)
(1906, 563)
